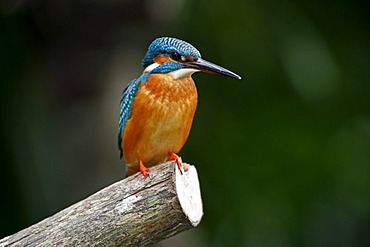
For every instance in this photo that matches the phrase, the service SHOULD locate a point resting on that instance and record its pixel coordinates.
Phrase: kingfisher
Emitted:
(157, 108)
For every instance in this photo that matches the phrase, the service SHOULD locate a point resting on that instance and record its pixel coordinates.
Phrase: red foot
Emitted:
(143, 169)
(174, 156)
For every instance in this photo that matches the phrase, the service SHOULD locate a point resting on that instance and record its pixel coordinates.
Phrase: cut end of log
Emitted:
(188, 192)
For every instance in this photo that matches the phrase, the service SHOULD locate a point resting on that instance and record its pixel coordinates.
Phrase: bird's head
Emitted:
(171, 55)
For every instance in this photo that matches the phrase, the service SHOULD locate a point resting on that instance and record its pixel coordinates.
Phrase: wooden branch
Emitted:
(136, 211)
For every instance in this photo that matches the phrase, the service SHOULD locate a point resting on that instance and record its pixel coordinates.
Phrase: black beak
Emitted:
(209, 67)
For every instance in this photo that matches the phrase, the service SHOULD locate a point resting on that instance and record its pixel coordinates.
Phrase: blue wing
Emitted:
(127, 98)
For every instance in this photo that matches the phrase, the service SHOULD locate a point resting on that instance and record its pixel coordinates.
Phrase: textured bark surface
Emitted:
(136, 211)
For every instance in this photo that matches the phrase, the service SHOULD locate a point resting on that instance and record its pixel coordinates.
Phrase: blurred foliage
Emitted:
(283, 156)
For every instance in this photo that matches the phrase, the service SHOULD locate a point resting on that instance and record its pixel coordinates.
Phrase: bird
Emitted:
(157, 108)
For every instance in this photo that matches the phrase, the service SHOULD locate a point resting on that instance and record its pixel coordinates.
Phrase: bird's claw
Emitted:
(175, 157)
(143, 169)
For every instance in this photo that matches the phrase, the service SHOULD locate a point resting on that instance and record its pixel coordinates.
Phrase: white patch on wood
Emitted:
(127, 203)
(4, 242)
(151, 67)
(181, 73)
(70, 214)
(188, 192)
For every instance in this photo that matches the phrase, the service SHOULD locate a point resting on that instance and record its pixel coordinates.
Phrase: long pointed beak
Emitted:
(209, 67)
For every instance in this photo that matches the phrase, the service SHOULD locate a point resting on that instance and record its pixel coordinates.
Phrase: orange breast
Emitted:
(160, 121)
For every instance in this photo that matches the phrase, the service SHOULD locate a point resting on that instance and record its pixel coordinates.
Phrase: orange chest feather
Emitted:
(161, 117)
(163, 93)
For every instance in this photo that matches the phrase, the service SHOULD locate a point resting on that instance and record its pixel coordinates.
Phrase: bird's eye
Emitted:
(177, 57)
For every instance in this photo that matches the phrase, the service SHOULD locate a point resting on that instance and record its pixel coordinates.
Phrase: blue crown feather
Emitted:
(168, 45)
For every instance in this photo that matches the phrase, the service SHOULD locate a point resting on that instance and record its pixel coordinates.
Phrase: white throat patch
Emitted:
(181, 73)
(177, 74)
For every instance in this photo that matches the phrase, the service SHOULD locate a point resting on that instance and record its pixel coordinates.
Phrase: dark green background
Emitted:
(283, 155)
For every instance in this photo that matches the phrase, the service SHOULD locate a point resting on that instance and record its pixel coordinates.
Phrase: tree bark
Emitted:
(136, 211)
